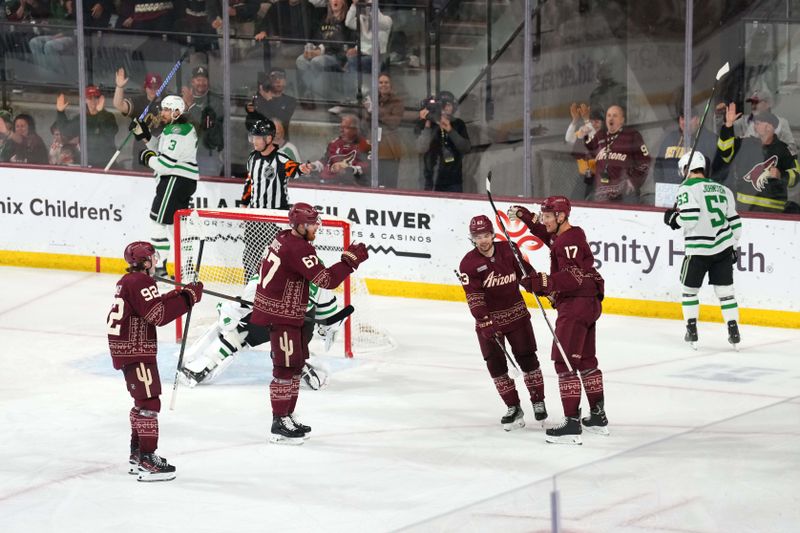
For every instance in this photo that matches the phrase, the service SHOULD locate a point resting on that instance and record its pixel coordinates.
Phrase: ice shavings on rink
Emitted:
(700, 441)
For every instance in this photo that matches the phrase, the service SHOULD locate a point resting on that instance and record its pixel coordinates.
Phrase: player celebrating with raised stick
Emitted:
(289, 265)
(132, 321)
(576, 290)
(490, 276)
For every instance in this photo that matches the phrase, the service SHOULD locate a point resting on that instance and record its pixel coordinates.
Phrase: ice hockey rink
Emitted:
(407, 440)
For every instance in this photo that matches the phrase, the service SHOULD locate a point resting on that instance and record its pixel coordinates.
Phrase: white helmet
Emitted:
(175, 104)
(698, 162)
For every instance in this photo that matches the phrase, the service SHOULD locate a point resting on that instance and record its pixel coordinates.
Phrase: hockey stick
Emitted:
(341, 314)
(724, 69)
(185, 331)
(513, 372)
(147, 107)
(525, 274)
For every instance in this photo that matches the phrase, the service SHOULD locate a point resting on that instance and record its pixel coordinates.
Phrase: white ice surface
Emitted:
(700, 441)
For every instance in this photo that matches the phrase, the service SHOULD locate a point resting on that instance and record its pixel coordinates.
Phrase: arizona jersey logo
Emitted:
(759, 174)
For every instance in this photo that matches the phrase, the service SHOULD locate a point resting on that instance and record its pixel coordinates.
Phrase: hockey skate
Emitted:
(596, 422)
(285, 432)
(191, 379)
(513, 419)
(691, 333)
(155, 468)
(302, 427)
(539, 411)
(568, 432)
(733, 334)
(133, 461)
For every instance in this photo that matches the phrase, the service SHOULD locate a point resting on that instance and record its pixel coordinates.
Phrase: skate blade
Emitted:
(516, 424)
(149, 476)
(133, 469)
(564, 439)
(693, 344)
(597, 430)
(280, 439)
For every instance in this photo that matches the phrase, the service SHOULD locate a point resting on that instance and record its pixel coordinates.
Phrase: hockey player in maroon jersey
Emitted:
(576, 290)
(490, 276)
(138, 308)
(290, 264)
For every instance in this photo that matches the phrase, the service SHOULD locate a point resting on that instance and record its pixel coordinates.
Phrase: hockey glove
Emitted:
(538, 283)
(193, 292)
(145, 155)
(522, 213)
(487, 328)
(671, 218)
(355, 254)
(140, 130)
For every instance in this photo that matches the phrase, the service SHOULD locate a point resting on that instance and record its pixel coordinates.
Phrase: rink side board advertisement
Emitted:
(83, 220)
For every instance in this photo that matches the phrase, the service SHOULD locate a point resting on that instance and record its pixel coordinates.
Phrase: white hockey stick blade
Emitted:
(489, 182)
(724, 69)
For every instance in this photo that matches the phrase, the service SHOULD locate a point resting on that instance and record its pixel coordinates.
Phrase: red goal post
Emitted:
(235, 240)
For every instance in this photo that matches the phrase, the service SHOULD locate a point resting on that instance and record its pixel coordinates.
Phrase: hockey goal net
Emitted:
(234, 244)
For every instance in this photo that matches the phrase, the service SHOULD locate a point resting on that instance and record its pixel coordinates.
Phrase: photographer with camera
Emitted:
(443, 141)
(271, 102)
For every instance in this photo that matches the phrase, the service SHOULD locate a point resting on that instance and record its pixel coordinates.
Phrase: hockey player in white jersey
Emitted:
(210, 355)
(706, 211)
(173, 158)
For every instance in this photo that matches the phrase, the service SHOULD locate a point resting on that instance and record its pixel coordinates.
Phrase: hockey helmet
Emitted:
(138, 252)
(479, 225)
(698, 162)
(556, 204)
(262, 128)
(174, 103)
(303, 213)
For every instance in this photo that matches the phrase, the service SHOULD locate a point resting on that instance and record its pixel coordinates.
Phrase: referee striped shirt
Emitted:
(267, 180)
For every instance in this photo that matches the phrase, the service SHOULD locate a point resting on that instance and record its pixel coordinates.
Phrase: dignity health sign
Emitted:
(410, 238)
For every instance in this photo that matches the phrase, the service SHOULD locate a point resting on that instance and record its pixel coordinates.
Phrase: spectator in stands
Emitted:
(6, 127)
(318, 60)
(242, 17)
(762, 169)
(101, 127)
(443, 141)
(132, 107)
(284, 146)
(271, 102)
(585, 123)
(19, 10)
(363, 17)
(622, 159)
(346, 159)
(672, 148)
(197, 17)
(54, 154)
(51, 45)
(390, 148)
(287, 19)
(150, 15)
(24, 145)
(609, 91)
(97, 13)
(761, 101)
(204, 110)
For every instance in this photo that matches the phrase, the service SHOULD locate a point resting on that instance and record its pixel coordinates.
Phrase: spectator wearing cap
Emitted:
(271, 101)
(761, 100)
(204, 110)
(131, 106)
(760, 169)
(673, 146)
(101, 127)
(24, 145)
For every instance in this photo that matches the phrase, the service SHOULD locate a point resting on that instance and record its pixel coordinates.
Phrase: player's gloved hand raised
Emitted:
(194, 291)
(671, 218)
(145, 155)
(487, 328)
(522, 213)
(139, 129)
(355, 254)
